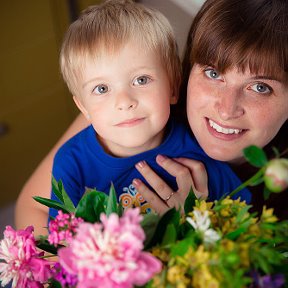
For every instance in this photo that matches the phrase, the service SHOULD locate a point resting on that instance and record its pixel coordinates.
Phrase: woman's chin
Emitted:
(224, 155)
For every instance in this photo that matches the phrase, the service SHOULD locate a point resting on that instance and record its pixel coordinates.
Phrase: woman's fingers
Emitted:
(180, 172)
(199, 176)
(163, 190)
(156, 203)
(188, 173)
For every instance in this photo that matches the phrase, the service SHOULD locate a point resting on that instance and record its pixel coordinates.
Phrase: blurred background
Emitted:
(35, 105)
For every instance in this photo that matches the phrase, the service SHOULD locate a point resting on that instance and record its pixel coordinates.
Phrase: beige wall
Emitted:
(35, 106)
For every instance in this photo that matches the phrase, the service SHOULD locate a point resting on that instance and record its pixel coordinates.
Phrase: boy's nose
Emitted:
(125, 101)
(229, 105)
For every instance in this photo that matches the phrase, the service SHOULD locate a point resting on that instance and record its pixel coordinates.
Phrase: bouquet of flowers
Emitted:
(205, 244)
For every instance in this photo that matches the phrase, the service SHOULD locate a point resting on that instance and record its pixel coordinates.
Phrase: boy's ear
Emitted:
(80, 106)
(174, 97)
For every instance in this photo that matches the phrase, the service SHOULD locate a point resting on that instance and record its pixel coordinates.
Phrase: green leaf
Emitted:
(112, 206)
(242, 213)
(91, 205)
(235, 234)
(170, 235)
(54, 284)
(61, 194)
(44, 245)
(52, 204)
(172, 216)
(55, 189)
(181, 247)
(149, 225)
(255, 156)
(266, 193)
(190, 201)
(120, 210)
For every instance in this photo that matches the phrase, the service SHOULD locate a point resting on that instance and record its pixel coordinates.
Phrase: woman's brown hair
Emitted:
(247, 34)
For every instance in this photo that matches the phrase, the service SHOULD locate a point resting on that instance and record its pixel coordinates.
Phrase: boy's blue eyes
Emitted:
(139, 81)
(142, 80)
(100, 89)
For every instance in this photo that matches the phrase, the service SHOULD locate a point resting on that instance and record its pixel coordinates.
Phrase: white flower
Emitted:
(201, 224)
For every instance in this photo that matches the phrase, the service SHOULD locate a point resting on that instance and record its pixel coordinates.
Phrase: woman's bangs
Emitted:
(225, 54)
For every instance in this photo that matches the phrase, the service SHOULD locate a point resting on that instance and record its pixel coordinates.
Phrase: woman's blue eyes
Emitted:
(261, 88)
(212, 73)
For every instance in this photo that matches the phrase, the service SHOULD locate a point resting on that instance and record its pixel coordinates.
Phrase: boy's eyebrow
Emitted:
(89, 81)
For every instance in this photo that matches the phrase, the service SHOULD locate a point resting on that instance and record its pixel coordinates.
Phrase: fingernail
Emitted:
(161, 158)
(136, 182)
(141, 164)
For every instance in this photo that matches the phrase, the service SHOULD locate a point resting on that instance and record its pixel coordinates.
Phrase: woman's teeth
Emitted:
(223, 130)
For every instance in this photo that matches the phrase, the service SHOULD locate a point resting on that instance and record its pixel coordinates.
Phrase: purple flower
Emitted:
(267, 281)
(20, 262)
(109, 254)
(63, 277)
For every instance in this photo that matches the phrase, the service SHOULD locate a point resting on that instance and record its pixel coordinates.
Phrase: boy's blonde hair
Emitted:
(109, 26)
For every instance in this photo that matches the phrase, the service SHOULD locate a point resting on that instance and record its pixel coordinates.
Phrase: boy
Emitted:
(119, 60)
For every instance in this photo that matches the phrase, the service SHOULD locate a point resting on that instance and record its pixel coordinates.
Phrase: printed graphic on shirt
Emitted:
(130, 198)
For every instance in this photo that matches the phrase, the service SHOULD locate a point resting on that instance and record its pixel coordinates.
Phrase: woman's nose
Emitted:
(125, 101)
(229, 104)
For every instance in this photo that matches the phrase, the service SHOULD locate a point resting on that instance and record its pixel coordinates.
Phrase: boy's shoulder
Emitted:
(78, 142)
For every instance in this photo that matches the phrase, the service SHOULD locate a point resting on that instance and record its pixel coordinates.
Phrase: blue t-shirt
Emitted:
(82, 163)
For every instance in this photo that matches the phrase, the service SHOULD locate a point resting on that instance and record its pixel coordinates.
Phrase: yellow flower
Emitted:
(176, 276)
(244, 254)
(268, 216)
(228, 245)
(160, 253)
(198, 257)
(203, 205)
(204, 279)
(254, 229)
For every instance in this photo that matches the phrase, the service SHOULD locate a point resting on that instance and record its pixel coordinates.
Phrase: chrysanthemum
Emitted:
(109, 254)
(20, 262)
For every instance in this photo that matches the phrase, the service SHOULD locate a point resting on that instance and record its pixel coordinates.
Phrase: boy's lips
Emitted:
(223, 131)
(130, 122)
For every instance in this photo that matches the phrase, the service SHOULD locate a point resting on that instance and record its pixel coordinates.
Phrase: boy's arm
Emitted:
(28, 211)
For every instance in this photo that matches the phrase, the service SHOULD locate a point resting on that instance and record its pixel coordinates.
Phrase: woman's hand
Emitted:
(189, 173)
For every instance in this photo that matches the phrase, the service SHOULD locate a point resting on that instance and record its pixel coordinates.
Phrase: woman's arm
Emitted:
(188, 173)
(28, 211)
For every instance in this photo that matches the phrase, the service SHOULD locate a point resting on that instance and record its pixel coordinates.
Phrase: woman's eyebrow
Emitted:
(264, 77)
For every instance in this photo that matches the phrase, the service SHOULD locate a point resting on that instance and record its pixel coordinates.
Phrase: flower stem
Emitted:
(248, 182)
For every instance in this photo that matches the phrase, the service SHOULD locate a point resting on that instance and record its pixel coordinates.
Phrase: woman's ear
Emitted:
(81, 107)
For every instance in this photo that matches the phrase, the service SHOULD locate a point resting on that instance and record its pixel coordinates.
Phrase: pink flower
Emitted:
(276, 175)
(109, 254)
(63, 228)
(20, 260)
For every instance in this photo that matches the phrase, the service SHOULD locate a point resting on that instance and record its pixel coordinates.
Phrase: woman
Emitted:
(236, 69)
(237, 75)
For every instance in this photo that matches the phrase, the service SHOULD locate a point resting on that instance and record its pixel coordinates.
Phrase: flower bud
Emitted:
(276, 175)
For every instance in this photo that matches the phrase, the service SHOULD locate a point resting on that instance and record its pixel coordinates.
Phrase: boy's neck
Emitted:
(125, 151)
